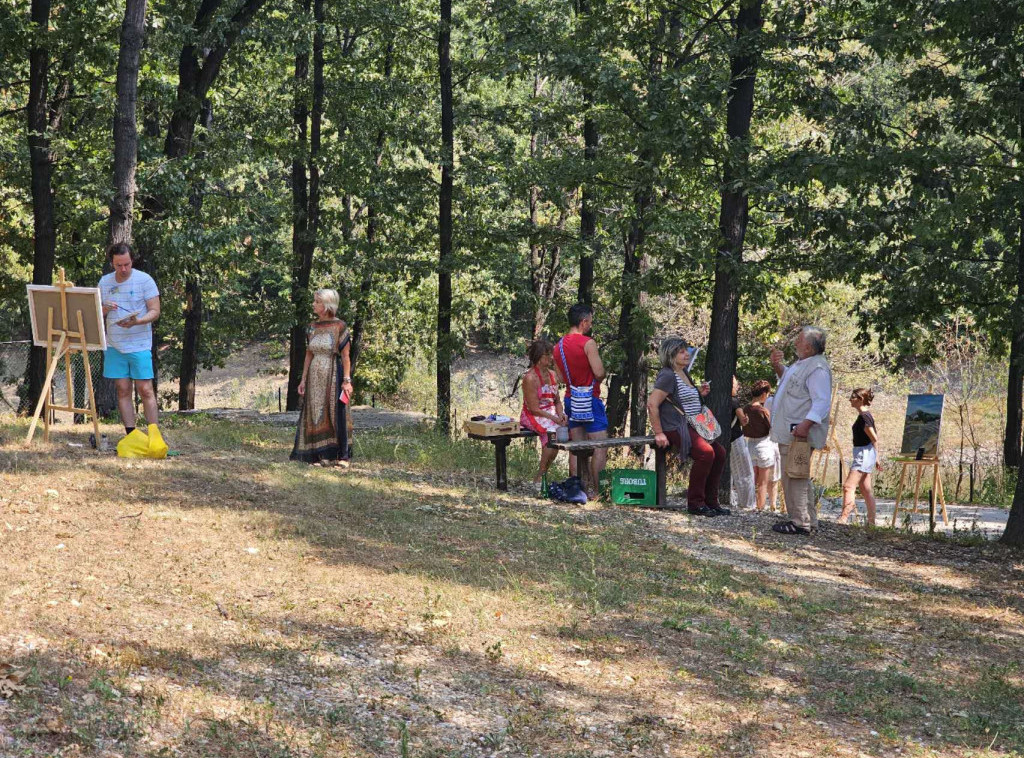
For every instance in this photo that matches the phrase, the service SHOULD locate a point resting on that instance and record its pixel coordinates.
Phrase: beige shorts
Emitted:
(762, 451)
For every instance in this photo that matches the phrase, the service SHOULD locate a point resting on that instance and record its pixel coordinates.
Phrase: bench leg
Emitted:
(661, 472)
(501, 464)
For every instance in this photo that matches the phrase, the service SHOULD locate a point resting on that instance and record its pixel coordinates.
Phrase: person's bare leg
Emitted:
(149, 406)
(547, 456)
(598, 460)
(867, 490)
(773, 489)
(576, 434)
(125, 405)
(761, 477)
(849, 495)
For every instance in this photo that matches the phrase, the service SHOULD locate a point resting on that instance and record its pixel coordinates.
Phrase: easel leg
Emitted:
(899, 495)
(69, 379)
(917, 488)
(88, 380)
(933, 501)
(47, 413)
(52, 357)
(941, 497)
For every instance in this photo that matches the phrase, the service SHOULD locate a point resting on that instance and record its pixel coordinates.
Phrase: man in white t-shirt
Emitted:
(131, 303)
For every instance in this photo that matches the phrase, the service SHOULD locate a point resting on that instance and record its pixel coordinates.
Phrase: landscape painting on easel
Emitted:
(921, 427)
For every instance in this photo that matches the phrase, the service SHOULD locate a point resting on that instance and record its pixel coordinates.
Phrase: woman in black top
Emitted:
(865, 457)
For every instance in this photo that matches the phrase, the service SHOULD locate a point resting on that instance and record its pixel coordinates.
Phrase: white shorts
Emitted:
(762, 451)
(864, 459)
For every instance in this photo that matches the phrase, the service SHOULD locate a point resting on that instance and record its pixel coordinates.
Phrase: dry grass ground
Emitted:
(229, 603)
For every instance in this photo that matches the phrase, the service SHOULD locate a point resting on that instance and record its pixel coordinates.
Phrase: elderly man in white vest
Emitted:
(801, 410)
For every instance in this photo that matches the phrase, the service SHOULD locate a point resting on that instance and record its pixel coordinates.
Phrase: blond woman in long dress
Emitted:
(322, 437)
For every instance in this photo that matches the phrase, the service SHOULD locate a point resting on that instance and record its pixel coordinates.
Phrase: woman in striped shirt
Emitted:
(674, 397)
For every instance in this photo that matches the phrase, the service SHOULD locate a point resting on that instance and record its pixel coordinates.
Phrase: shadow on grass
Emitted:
(318, 690)
(728, 636)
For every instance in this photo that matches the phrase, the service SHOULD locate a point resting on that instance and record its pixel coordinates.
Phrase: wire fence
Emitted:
(68, 387)
(13, 363)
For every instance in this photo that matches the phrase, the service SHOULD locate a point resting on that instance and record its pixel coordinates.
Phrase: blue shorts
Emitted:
(600, 422)
(118, 365)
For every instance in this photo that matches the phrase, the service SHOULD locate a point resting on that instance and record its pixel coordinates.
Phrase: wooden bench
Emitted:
(583, 449)
(501, 443)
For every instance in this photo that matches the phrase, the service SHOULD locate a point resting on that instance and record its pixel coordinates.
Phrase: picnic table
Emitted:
(501, 443)
(583, 449)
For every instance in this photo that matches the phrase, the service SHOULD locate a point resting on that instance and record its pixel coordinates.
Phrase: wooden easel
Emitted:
(61, 343)
(938, 495)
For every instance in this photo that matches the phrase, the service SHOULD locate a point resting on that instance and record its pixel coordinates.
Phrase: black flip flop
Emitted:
(788, 527)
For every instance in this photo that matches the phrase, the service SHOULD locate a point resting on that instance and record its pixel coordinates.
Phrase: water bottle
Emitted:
(544, 484)
(104, 444)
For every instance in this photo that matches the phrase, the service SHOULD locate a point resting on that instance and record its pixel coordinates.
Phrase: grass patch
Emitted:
(229, 602)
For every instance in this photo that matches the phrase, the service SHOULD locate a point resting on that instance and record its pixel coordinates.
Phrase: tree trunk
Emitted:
(1015, 380)
(629, 383)
(732, 223)
(1014, 532)
(364, 310)
(126, 135)
(588, 215)
(191, 340)
(198, 68)
(44, 252)
(193, 313)
(625, 386)
(302, 263)
(446, 253)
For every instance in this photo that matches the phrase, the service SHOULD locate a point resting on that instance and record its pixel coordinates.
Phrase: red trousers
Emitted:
(706, 472)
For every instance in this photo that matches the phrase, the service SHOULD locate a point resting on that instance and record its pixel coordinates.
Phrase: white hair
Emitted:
(330, 300)
(815, 337)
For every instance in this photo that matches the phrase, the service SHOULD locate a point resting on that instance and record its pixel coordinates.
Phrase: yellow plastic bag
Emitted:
(138, 444)
(157, 446)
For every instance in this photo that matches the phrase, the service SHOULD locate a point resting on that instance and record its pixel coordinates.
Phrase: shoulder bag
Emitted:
(581, 397)
(704, 422)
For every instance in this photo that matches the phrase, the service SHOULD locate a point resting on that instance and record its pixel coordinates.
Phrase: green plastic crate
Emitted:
(632, 487)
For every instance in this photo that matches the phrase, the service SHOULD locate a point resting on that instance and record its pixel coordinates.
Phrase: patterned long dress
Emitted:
(323, 425)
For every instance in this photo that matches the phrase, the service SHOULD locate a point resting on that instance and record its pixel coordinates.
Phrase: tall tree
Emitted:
(588, 212)
(732, 221)
(446, 255)
(43, 117)
(364, 312)
(192, 308)
(126, 135)
(207, 42)
(305, 189)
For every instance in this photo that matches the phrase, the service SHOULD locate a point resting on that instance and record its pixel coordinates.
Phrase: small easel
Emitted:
(938, 495)
(61, 343)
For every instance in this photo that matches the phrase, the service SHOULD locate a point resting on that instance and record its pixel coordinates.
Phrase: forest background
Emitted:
(463, 171)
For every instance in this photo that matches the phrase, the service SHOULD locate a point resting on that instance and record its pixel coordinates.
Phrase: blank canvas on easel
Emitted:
(85, 299)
